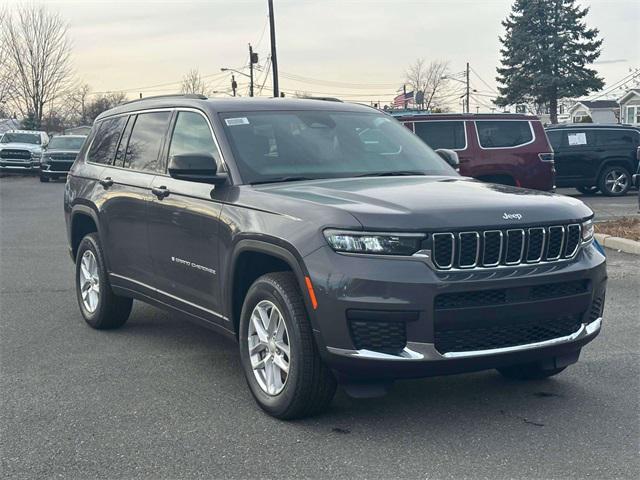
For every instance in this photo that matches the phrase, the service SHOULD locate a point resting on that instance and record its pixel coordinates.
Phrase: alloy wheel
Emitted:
(616, 181)
(89, 281)
(269, 351)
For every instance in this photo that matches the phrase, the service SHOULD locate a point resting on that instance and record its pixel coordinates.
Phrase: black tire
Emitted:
(588, 190)
(112, 311)
(44, 179)
(529, 371)
(310, 385)
(616, 171)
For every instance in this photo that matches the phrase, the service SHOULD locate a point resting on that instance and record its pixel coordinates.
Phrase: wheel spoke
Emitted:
(283, 347)
(281, 363)
(259, 364)
(259, 327)
(274, 321)
(257, 348)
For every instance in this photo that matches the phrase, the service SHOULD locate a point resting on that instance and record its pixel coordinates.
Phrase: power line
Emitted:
(491, 89)
(628, 78)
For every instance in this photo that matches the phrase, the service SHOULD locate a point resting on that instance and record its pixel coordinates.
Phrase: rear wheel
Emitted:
(100, 307)
(614, 181)
(529, 371)
(587, 190)
(278, 352)
(44, 179)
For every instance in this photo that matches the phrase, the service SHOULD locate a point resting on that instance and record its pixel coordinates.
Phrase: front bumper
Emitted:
(407, 287)
(57, 169)
(18, 166)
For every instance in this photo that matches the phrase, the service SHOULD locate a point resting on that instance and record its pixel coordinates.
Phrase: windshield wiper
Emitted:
(395, 173)
(282, 179)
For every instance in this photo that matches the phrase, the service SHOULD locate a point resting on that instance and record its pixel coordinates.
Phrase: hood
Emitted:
(425, 203)
(21, 146)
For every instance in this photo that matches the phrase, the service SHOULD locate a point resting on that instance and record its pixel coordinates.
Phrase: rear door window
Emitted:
(573, 139)
(618, 138)
(146, 139)
(555, 139)
(504, 133)
(446, 134)
(105, 141)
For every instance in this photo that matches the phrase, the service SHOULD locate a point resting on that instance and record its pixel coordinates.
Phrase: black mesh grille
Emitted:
(492, 247)
(469, 244)
(15, 154)
(386, 337)
(501, 336)
(573, 239)
(535, 244)
(443, 249)
(515, 239)
(555, 242)
(65, 157)
(482, 298)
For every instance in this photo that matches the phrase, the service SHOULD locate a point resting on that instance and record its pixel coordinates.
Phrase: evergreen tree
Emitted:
(29, 122)
(546, 49)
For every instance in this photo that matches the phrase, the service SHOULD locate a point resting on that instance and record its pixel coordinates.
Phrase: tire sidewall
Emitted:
(603, 186)
(263, 289)
(94, 319)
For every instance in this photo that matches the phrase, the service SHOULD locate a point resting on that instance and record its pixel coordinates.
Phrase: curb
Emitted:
(617, 243)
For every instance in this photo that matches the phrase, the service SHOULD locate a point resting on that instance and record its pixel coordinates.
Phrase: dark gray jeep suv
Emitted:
(331, 242)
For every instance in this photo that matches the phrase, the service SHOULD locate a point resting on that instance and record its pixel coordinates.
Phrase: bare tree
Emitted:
(5, 83)
(431, 83)
(192, 82)
(76, 103)
(38, 55)
(103, 102)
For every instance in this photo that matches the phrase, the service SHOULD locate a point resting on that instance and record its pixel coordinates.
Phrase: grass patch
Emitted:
(624, 227)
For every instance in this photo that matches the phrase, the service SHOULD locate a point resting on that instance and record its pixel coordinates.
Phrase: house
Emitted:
(595, 111)
(630, 107)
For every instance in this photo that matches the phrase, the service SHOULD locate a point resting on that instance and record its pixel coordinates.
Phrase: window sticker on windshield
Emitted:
(236, 121)
(577, 139)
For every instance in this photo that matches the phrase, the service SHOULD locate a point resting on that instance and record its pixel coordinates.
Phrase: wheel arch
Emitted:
(84, 220)
(617, 160)
(265, 257)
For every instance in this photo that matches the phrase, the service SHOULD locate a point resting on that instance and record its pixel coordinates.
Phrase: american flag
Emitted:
(402, 98)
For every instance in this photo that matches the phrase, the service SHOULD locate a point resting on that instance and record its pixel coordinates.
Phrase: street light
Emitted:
(234, 70)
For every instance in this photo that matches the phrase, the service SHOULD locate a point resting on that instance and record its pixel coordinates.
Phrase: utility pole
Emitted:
(234, 84)
(467, 87)
(404, 95)
(253, 59)
(274, 58)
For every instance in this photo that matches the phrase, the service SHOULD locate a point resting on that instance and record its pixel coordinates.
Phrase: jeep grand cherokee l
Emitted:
(331, 242)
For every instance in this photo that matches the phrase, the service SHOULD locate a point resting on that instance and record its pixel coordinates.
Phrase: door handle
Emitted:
(160, 192)
(106, 182)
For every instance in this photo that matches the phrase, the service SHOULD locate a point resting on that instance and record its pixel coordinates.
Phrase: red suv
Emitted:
(511, 149)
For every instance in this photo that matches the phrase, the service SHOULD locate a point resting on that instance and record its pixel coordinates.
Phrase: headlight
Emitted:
(587, 231)
(374, 243)
(36, 156)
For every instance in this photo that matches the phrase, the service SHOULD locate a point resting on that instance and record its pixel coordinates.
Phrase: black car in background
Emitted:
(59, 155)
(594, 157)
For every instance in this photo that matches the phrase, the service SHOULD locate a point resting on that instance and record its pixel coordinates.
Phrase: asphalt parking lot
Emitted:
(607, 208)
(163, 398)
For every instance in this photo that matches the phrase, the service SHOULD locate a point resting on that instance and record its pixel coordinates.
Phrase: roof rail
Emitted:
(197, 96)
(325, 99)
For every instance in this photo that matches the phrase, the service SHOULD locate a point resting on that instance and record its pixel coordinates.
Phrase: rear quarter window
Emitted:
(503, 134)
(621, 138)
(446, 134)
(105, 141)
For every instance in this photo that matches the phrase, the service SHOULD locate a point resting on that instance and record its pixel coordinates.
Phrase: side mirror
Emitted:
(449, 156)
(195, 167)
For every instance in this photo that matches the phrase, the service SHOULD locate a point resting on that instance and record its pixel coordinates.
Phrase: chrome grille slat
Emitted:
(509, 247)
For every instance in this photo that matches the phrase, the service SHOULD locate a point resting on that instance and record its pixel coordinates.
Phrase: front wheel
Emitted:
(614, 181)
(587, 190)
(279, 356)
(44, 179)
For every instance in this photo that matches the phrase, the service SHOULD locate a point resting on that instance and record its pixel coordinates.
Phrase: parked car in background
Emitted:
(59, 155)
(509, 149)
(592, 157)
(20, 150)
(636, 179)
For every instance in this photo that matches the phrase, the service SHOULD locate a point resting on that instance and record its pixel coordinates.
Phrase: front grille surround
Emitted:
(509, 247)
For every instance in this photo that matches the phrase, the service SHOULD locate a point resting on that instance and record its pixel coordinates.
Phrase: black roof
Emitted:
(591, 126)
(217, 105)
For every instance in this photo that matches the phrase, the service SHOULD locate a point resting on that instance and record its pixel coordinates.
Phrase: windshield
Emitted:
(296, 145)
(66, 143)
(21, 138)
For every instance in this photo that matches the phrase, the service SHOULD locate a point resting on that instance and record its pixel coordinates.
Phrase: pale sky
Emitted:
(355, 49)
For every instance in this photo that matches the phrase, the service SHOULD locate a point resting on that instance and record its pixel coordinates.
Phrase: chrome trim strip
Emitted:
(506, 255)
(544, 237)
(475, 262)
(561, 249)
(416, 351)
(453, 250)
(582, 331)
(122, 277)
(484, 249)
